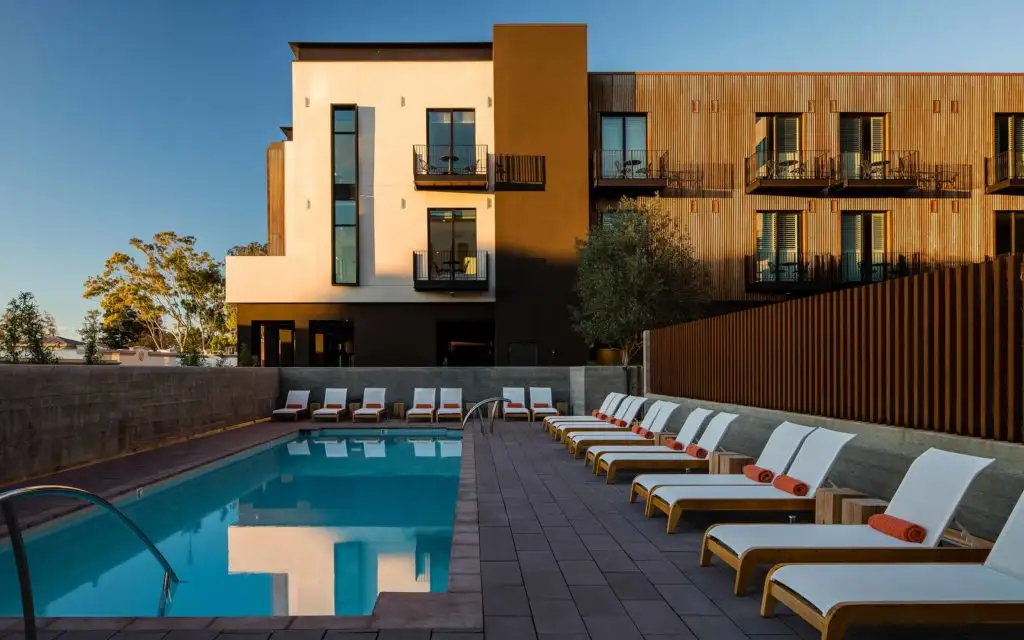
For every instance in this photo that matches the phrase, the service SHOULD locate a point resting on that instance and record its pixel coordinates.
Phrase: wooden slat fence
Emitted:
(940, 351)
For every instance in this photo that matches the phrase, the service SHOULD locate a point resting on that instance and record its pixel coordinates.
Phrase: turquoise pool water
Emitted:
(318, 525)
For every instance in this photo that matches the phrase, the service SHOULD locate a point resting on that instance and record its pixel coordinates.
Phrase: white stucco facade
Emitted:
(392, 99)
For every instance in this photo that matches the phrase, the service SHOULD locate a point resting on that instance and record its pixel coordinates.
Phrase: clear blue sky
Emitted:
(121, 118)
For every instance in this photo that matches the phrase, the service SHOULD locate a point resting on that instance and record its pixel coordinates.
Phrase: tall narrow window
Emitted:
(345, 153)
(624, 146)
(1009, 150)
(451, 142)
(862, 146)
(777, 145)
(452, 242)
(863, 245)
(1009, 232)
(778, 246)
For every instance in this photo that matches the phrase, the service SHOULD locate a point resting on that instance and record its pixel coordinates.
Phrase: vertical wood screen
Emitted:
(940, 351)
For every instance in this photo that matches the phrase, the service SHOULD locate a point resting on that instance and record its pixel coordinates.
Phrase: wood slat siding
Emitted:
(940, 351)
(961, 229)
(275, 199)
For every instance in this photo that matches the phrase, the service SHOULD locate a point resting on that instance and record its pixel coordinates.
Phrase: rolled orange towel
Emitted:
(645, 433)
(374, 405)
(672, 443)
(515, 405)
(696, 452)
(424, 406)
(758, 474)
(619, 422)
(293, 406)
(636, 428)
(602, 416)
(897, 528)
(541, 405)
(789, 484)
(595, 413)
(451, 405)
(334, 406)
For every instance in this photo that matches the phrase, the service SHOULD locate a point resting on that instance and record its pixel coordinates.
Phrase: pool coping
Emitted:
(460, 608)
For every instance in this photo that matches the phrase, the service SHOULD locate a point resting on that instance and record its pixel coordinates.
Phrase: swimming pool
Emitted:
(315, 525)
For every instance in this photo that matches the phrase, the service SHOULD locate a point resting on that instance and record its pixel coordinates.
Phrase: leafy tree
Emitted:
(123, 329)
(231, 311)
(91, 336)
(637, 271)
(251, 249)
(24, 332)
(176, 292)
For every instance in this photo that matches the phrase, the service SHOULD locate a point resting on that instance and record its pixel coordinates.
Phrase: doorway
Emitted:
(331, 343)
(275, 343)
(465, 343)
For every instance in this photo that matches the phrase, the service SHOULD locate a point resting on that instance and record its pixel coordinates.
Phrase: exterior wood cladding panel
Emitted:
(275, 199)
(681, 119)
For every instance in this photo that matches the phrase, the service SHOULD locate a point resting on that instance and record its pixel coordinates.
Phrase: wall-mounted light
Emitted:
(308, 204)
(403, 203)
(488, 203)
(489, 102)
(403, 101)
(307, 101)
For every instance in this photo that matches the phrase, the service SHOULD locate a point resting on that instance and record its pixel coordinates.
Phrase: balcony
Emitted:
(452, 167)
(519, 173)
(631, 169)
(788, 172)
(803, 274)
(890, 171)
(450, 271)
(1004, 173)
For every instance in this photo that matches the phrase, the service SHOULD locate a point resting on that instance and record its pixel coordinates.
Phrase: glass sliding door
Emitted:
(863, 246)
(778, 246)
(452, 242)
(862, 146)
(451, 141)
(624, 146)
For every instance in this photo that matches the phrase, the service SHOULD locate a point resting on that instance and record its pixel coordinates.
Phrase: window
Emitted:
(1009, 232)
(451, 141)
(623, 146)
(778, 246)
(452, 242)
(862, 145)
(1009, 148)
(345, 154)
(777, 143)
(862, 244)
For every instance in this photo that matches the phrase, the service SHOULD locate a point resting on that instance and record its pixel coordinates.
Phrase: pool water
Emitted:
(318, 525)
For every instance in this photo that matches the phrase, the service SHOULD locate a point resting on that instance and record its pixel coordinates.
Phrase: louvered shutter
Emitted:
(852, 243)
(787, 138)
(877, 139)
(1002, 147)
(850, 144)
(877, 246)
(765, 246)
(788, 246)
(1017, 165)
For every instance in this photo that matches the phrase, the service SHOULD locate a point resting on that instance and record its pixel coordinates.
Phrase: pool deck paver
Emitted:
(541, 549)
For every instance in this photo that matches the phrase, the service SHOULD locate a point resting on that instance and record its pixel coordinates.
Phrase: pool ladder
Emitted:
(21, 559)
(477, 410)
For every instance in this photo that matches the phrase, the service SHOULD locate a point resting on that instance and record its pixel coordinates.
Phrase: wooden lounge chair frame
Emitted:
(525, 416)
(337, 415)
(580, 446)
(429, 417)
(746, 563)
(834, 623)
(669, 463)
(675, 510)
(590, 457)
(374, 418)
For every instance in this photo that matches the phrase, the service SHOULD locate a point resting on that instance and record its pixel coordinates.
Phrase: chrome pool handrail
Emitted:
(21, 559)
(475, 410)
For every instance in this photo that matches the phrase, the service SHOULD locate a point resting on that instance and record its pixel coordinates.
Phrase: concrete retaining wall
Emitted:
(53, 417)
(575, 385)
(875, 461)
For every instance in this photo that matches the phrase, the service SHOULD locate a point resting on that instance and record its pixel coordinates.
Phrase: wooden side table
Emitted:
(563, 408)
(314, 406)
(828, 503)
(858, 510)
(352, 408)
(399, 410)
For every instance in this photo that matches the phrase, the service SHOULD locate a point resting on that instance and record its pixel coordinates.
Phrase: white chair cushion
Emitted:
(649, 480)
(741, 537)
(640, 456)
(606, 435)
(611, 448)
(722, 492)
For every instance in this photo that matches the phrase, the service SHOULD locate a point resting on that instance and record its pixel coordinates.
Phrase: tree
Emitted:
(231, 311)
(24, 332)
(123, 329)
(91, 335)
(251, 249)
(637, 271)
(177, 292)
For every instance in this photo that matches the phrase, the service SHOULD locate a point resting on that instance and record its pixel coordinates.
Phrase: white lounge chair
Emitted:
(604, 412)
(335, 405)
(834, 597)
(514, 405)
(811, 465)
(616, 407)
(649, 424)
(695, 456)
(579, 441)
(778, 452)
(451, 405)
(299, 448)
(541, 404)
(423, 406)
(451, 448)
(424, 448)
(687, 433)
(928, 496)
(624, 417)
(296, 404)
(373, 405)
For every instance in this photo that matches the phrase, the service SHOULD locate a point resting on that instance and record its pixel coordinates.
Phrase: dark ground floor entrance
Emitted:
(465, 344)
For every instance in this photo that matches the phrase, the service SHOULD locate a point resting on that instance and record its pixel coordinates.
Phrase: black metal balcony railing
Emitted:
(631, 168)
(519, 172)
(797, 272)
(1004, 171)
(699, 178)
(450, 165)
(878, 168)
(435, 270)
(788, 169)
(945, 178)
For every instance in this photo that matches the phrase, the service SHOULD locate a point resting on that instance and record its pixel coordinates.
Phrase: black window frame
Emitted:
(451, 132)
(1016, 219)
(344, 192)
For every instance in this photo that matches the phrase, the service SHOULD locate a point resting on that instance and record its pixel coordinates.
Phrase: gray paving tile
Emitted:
(526, 525)
(456, 636)
(498, 573)
(244, 635)
(686, 599)
(564, 636)
(581, 572)
(596, 600)
(298, 634)
(714, 628)
(548, 585)
(496, 544)
(654, 616)
(351, 635)
(613, 560)
(556, 616)
(403, 634)
(509, 628)
(192, 634)
(93, 634)
(140, 635)
(569, 550)
(632, 586)
(536, 560)
(612, 628)
(662, 572)
(506, 600)
(41, 634)
(643, 551)
(530, 542)
(599, 541)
